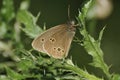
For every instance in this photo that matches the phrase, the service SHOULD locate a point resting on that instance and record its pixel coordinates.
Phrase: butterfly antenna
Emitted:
(69, 12)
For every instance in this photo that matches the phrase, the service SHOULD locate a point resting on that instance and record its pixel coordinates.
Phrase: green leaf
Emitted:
(85, 8)
(93, 48)
(13, 75)
(25, 5)
(80, 72)
(3, 29)
(7, 10)
(4, 77)
(116, 77)
(100, 35)
(26, 62)
(91, 45)
(31, 28)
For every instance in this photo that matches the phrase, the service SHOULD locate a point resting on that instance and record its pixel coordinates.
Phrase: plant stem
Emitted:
(82, 73)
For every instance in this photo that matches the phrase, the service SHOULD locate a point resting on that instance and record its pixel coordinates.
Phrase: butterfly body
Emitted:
(55, 41)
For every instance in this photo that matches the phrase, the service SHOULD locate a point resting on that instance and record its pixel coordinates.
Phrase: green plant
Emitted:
(18, 63)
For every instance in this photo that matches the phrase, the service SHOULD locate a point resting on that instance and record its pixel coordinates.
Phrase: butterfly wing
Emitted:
(54, 41)
(38, 42)
(58, 44)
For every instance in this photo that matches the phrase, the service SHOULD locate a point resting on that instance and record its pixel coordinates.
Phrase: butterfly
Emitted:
(56, 41)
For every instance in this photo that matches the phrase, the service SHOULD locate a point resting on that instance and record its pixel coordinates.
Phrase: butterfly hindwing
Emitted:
(58, 44)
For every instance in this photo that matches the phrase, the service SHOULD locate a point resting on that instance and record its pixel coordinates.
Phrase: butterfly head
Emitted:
(72, 25)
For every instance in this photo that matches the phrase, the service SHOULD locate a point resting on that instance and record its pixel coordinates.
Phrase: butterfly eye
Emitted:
(52, 39)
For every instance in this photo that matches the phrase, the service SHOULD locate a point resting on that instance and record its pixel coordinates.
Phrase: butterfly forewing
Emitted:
(55, 41)
(38, 42)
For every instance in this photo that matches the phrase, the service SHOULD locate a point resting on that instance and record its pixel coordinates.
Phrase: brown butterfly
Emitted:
(56, 41)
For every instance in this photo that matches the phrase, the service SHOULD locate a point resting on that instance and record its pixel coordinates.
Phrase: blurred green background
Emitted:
(54, 12)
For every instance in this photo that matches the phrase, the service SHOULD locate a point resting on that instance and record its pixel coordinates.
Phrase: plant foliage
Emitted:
(18, 63)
